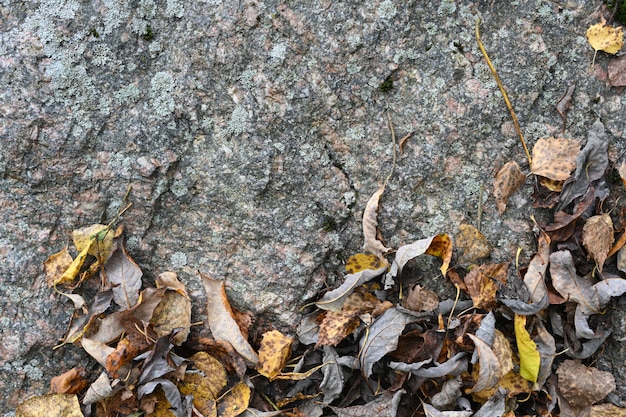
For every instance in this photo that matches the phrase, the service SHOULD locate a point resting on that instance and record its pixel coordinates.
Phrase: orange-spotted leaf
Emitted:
(235, 402)
(482, 284)
(605, 38)
(508, 180)
(273, 354)
(336, 326)
(361, 261)
(471, 244)
(598, 237)
(205, 385)
(441, 247)
(554, 158)
(529, 357)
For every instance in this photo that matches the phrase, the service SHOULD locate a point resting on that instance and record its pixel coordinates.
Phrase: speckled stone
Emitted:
(246, 128)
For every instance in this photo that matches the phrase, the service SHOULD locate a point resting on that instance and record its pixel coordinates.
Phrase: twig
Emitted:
(501, 87)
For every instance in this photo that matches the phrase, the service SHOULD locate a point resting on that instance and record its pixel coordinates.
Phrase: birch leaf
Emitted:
(333, 300)
(370, 223)
(382, 338)
(605, 38)
(332, 384)
(598, 237)
(508, 180)
(529, 357)
(124, 275)
(235, 402)
(471, 244)
(65, 405)
(174, 310)
(583, 386)
(221, 321)
(56, 265)
(490, 370)
(569, 284)
(554, 158)
(361, 261)
(273, 354)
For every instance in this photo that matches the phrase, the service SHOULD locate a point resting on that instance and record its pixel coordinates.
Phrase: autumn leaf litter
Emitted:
(377, 344)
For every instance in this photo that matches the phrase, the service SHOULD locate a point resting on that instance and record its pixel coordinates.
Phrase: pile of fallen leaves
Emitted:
(514, 341)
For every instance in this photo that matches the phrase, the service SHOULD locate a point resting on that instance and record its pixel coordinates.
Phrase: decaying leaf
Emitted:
(361, 261)
(438, 245)
(384, 406)
(382, 338)
(564, 103)
(273, 354)
(454, 366)
(590, 165)
(124, 275)
(336, 326)
(421, 299)
(56, 265)
(65, 405)
(174, 310)
(598, 237)
(471, 244)
(99, 390)
(70, 382)
(571, 286)
(333, 300)
(607, 410)
(508, 180)
(449, 394)
(370, 223)
(489, 371)
(170, 392)
(583, 386)
(430, 411)
(332, 384)
(554, 158)
(605, 38)
(482, 284)
(220, 319)
(235, 402)
(529, 357)
(205, 384)
(546, 347)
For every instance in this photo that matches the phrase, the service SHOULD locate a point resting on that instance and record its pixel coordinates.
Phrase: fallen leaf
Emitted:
(174, 310)
(124, 275)
(334, 300)
(158, 362)
(171, 394)
(564, 224)
(386, 405)
(65, 405)
(420, 299)
(529, 357)
(583, 386)
(494, 407)
(598, 237)
(97, 238)
(441, 247)
(56, 265)
(336, 326)
(471, 244)
(220, 319)
(454, 366)
(569, 284)
(482, 284)
(370, 223)
(590, 165)
(73, 270)
(605, 38)
(205, 384)
(333, 383)
(70, 382)
(235, 401)
(546, 347)
(99, 390)
(361, 261)
(430, 411)
(607, 410)
(489, 371)
(274, 352)
(554, 158)
(97, 350)
(564, 104)
(508, 180)
(449, 394)
(381, 338)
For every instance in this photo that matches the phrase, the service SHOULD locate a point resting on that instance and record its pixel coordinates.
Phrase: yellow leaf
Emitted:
(235, 402)
(529, 357)
(361, 261)
(50, 405)
(97, 237)
(273, 354)
(441, 247)
(605, 38)
(471, 244)
(72, 271)
(206, 385)
(56, 265)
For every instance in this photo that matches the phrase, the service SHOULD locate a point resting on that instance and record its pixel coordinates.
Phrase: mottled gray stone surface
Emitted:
(247, 128)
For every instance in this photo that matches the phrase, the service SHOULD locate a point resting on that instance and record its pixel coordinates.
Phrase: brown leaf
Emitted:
(124, 275)
(370, 223)
(583, 386)
(420, 299)
(221, 321)
(554, 158)
(482, 284)
(564, 103)
(224, 352)
(471, 244)
(205, 385)
(384, 406)
(490, 370)
(336, 326)
(334, 300)
(598, 237)
(607, 410)
(274, 352)
(508, 180)
(174, 310)
(70, 382)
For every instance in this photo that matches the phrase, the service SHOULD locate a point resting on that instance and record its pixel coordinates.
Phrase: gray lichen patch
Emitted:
(161, 87)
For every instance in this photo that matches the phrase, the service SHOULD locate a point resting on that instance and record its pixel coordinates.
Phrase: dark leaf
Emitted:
(384, 406)
(171, 393)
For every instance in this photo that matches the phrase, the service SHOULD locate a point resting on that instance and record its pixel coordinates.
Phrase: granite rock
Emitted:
(253, 133)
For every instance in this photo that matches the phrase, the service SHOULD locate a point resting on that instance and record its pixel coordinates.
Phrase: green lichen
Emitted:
(93, 32)
(178, 259)
(148, 34)
(329, 224)
(386, 85)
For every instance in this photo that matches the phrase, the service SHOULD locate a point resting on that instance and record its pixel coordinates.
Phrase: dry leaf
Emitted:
(99, 390)
(56, 265)
(420, 299)
(235, 402)
(598, 237)
(65, 405)
(124, 275)
(274, 352)
(482, 284)
(583, 386)
(205, 385)
(334, 300)
(554, 158)
(529, 357)
(607, 410)
(174, 310)
(471, 244)
(220, 319)
(336, 326)
(605, 38)
(384, 406)
(70, 382)
(370, 223)
(490, 370)
(564, 104)
(361, 261)
(508, 180)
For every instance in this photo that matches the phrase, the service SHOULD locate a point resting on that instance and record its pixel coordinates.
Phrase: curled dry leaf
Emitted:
(273, 354)
(554, 158)
(508, 180)
(605, 38)
(235, 401)
(420, 299)
(70, 382)
(221, 321)
(598, 237)
(124, 275)
(370, 223)
(564, 104)
(384, 406)
(56, 265)
(334, 300)
(490, 370)
(583, 386)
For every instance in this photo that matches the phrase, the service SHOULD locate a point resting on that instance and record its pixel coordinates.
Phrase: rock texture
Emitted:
(253, 133)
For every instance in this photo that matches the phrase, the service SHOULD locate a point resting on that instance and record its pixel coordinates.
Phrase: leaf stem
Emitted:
(501, 87)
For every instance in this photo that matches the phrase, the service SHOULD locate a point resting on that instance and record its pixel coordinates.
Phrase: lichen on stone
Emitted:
(161, 87)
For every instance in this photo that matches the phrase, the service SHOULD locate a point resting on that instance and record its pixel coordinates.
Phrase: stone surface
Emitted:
(254, 132)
